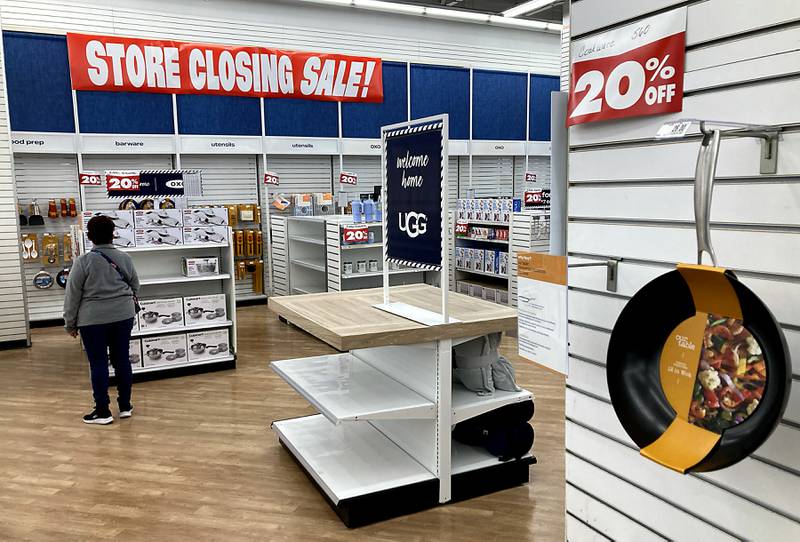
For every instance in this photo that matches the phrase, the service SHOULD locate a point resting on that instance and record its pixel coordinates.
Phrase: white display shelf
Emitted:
(316, 266)
(344, 388)
(311, 240)
(468, 404)
(182, 329)
(486, 223)
(362, 245)
(173, 247)
(154, 368)
(484, 273)
(497, 241)
(379, 273)
(349, 460)
(180, 278)
(466, 458)
(307, 290)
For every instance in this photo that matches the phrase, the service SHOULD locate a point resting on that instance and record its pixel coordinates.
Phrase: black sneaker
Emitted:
(127, 412)
(99, 417)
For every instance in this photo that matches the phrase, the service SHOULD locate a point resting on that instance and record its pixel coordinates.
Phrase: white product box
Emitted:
(209, 344)
(468, 258)
(480, 214)
(502, 263)
(164, 350)
(490, 294)
(472, 209)
(506, 206)
(462, 287)
(156, 237)
(459, 257)
(123, 238)
(134, 354)
(498, 210)
(121, 219)
(199, 267)
(204, 309)
(489, 261)
(158, 218)
(161, 313)
(478, 256)
(215, 235)
(476, 290)
(207, 216)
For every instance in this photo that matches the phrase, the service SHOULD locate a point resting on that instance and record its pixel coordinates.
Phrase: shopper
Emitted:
(101, 304)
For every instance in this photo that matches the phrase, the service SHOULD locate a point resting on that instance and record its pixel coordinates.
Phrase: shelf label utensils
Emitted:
(346, 177)
(271, 178)
(631, 71)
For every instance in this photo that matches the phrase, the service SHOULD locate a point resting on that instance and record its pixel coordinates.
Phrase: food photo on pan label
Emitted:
(731, 377)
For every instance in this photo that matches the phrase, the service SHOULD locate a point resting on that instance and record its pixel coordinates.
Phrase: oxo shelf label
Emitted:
(631, 71)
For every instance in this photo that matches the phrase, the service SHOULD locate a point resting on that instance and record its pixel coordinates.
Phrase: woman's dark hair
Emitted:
(100, 230)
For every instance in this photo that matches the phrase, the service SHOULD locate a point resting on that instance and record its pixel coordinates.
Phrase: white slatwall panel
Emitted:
(297, 26)
(226, 179)
(280, 256)
(368, 169)
(453, 182)
(537, 164)
(302, 173)
(492, 176)
(14, 320)
(96, 197)
(42, 177)
(633, 200)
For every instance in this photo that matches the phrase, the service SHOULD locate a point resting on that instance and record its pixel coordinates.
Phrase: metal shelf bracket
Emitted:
(611, 271)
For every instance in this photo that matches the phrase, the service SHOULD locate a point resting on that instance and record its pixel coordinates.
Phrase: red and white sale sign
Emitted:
(631, 71)
(114, 63)
(90, 178)
(462, 228)
(352, 235)
(346, 177)
(271, 178)
(122, 181)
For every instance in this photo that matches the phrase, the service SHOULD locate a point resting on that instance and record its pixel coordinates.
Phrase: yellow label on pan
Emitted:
(678, 364)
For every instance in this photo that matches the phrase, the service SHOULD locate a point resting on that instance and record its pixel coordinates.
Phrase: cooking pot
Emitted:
(698, 368)
(156, 353)
(198, 348)
(195, 312)
(219, 312)
(150, 317)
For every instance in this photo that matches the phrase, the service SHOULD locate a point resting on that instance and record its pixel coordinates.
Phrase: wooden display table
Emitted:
(381, 445)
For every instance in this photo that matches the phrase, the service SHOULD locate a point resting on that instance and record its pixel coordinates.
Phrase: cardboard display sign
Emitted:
(631, 71)
(542, 306)
(413, 202)
(115, 63)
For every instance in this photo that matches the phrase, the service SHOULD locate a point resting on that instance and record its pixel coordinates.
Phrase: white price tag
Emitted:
(675, 129)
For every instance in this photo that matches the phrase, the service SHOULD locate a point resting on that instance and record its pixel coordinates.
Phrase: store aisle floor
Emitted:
(198, 461)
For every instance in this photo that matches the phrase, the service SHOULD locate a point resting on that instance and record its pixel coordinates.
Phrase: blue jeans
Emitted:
(99, 341)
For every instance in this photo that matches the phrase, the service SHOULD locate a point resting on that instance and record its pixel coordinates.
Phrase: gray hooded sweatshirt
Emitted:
(96, 294)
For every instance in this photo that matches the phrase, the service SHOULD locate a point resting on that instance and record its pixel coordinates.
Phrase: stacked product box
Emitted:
(487, 209)
(158, 227)
(201, 309)
(205, 216)
(124, 227)
(164, 350)
(134, 354)
(208, 345)
(178, 312)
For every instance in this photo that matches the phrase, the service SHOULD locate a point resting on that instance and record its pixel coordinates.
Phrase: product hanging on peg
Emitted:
(23, 220)
(241, 271)
(73, 209)
(233, 215)
(258, 277)
(238, 248)
(259, 243)
(67, 247)
(257, 219)
(49, 249)
(64, 207)
(249, 243)
(52, 211)
(36, 218)
(247, 212)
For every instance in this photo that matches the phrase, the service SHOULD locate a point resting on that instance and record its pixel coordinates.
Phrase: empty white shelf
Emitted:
(379, 273)
(362, 245)
(173, 247)
(344, 388)
(484, 273)
(468, 404)
(487, 223)
(206, 324)
(468, 458)
(311, 240)
(316, 266)
(181, 278)
(349, 460)
(499, 241)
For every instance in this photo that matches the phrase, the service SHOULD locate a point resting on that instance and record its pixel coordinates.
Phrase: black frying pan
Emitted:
(683, 370)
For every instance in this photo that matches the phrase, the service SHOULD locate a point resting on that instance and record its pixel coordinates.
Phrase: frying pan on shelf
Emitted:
(698, 368)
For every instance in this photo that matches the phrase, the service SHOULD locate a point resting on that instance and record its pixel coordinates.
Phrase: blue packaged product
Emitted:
(358, 211)
(378, 211)
(517, 205)
(369, 210)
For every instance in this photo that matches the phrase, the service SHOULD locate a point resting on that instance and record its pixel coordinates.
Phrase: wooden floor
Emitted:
(199, 462)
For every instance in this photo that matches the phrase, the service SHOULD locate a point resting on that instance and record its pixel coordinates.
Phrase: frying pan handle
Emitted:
(703, 190)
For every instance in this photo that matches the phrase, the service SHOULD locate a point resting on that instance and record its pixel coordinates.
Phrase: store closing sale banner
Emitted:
(632, 71)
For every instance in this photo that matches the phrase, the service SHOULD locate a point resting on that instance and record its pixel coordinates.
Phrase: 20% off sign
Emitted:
(631, 71)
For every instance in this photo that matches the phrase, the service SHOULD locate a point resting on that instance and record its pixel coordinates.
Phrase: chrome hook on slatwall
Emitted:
(611, 266)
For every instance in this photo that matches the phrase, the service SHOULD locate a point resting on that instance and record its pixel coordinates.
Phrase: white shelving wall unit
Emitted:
(530, 233)
(307, 256)
(160, 275)
(280, 255)
(338, 254)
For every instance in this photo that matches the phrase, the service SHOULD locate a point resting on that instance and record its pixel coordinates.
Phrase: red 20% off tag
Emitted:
(346, 177)
(122, 181)
(355, 235)
(462, 228)
(634, 71)
(90, 178)
(271, 178)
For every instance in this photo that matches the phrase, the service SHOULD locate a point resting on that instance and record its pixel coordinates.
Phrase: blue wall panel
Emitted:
(102, 112)
(498, 105)
(37, 76)
(296, 117)
(205, 114)
(440, 89)
(366, 119)
(541, 87)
